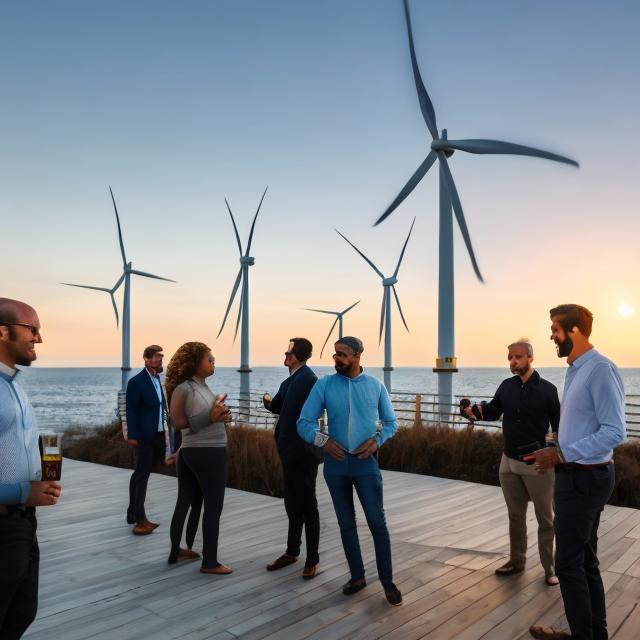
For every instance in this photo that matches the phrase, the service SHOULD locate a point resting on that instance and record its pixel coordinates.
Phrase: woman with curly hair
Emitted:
(202, 463)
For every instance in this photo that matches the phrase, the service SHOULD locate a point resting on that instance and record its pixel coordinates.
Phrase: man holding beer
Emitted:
(21, 486)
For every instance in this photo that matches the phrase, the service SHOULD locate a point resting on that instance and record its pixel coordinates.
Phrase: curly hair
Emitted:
(183, 364)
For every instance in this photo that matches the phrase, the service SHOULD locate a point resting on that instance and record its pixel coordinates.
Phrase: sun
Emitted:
(626, 310)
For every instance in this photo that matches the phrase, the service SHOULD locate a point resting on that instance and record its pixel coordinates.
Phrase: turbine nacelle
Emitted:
(247, 261)
(390, 281)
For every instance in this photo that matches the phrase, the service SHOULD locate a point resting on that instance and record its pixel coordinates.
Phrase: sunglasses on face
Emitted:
(35, 331)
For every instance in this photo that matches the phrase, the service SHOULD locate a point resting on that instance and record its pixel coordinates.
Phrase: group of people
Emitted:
(185, 423)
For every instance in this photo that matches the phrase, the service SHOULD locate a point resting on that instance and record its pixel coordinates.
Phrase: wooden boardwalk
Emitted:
(98, 581)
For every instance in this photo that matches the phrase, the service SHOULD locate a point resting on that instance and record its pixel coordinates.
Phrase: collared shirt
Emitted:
(19, 452)
(527, 410)
(353, 406)
(592, 419)
(156, 384)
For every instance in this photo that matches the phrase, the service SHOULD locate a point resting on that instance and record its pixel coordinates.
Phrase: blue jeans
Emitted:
(369, 490)
(580, 495)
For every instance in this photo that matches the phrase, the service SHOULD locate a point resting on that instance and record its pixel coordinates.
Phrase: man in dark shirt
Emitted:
(528, 404)
(299, 459)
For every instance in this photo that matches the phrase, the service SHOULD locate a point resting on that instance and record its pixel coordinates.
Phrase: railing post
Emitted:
(417, 421)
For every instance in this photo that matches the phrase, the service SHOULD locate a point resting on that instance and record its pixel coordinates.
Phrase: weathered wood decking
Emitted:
(98, 581)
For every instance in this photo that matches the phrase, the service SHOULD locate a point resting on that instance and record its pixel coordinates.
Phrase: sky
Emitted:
(179, 105)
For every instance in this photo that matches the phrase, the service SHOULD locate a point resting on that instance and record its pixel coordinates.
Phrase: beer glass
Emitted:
(51, 456)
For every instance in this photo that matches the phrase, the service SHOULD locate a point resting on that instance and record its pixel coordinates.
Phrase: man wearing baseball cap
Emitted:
(361, 419)
(146, 413)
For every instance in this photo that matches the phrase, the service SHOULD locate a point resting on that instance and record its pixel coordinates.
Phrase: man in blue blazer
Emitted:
(146, 413)
(299, 459)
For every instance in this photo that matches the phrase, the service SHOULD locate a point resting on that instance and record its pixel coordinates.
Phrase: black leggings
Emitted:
(202, 472)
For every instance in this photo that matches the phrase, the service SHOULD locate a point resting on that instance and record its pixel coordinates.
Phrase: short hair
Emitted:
(523, 342)
(151, 351)
(573, 315)
(302, 348)
(8, 312)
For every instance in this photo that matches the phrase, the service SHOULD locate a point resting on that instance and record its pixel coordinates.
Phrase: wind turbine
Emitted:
(127, 272)
(441, 149)
(389, 287)
(246, 261)
(339, 315)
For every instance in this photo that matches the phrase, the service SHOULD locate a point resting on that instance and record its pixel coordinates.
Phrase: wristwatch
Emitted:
(320, 439)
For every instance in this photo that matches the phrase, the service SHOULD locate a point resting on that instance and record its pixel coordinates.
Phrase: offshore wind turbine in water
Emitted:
(388, 287)
(441, 149)
(125, 277)
(339, 316)
(246, 261)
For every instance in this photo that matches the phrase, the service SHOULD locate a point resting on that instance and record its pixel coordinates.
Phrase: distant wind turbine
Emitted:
(441, 149)
(127, 272)
(246, 261)
(339, 315)
(389, 287)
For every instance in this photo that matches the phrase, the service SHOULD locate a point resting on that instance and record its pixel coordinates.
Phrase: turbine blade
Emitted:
(384, 301)
(505, 148)
(349, 308)
(236, 284)
(115, 308)
(253, 224)
(395, 273)
(373, 266)
(149, 275)
(457, 210)
(86, 286)
(333, 326)
(410, 186)
(333, 313)
(426, 106)
(395, 293)
(115, 208)
(235, 333)
(235, 228)
(116, 286)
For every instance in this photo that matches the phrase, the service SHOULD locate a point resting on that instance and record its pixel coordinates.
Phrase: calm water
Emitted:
(86, 397)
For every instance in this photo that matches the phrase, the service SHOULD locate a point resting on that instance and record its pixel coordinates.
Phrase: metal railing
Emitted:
(411, 408)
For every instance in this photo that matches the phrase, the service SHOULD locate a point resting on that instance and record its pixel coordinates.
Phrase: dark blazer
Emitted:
(143, 407)
(288, 403)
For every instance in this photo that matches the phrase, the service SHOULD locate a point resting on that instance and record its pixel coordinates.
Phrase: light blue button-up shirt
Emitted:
(19, 452)
(354, 406)
(592, 419)
(156, 384)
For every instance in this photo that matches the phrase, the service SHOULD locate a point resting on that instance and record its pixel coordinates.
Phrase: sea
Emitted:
(87, 397)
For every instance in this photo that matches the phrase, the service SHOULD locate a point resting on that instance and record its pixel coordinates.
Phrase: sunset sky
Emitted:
(179, 105)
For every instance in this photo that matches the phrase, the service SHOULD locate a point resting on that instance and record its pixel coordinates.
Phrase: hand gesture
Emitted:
(366, 449)
(334, 450)
(43, 493)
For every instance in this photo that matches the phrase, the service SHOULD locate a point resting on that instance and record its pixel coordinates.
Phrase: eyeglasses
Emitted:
(35, 331)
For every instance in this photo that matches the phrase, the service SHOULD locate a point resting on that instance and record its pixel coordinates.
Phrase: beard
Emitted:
(564, 348)
(19, 356)
(341, 368)
(520, 371)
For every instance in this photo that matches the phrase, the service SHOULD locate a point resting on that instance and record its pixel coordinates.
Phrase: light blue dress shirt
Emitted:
(354, 406)
(156, 384)
(592, 418)
(19, 452)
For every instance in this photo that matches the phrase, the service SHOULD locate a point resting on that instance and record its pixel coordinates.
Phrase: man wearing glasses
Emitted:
(299, 459)
(146, 415)
(355, 404)
(21, 487)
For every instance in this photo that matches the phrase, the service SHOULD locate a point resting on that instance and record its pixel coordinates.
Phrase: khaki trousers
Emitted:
(520, 483)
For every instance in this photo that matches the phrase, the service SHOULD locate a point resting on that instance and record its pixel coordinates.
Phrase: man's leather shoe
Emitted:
(508, 569)
(182, 554)
(393, 595)
(220, 570)
(141, 529)
(353, 586)
(283, 561)
(310, 571)
(151, 525)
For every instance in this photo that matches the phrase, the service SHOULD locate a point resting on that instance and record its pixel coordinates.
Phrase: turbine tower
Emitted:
(127, 272)
(246, 261)
(441, 149)
(388, 287)
(339, 315)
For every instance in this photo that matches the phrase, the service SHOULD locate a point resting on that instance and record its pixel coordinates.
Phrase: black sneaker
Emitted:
(353, 586)
(394, 597)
